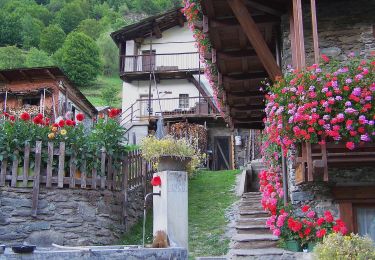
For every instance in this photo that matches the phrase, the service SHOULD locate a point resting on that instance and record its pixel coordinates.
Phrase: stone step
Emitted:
(264, 254)
(244, 220)
(251, 208)
(253, 241)
(211, 258)
(252, 229)
(257, 199)
(254, 213)
(249, 194)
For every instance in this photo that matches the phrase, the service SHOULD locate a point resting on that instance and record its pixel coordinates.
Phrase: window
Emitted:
(32, 101)
(183, 101)
(366, 221)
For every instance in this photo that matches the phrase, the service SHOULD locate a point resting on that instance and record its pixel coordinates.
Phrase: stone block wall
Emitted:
(343, 26)
(66, 216)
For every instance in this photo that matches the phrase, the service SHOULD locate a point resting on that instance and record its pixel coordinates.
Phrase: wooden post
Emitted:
(14, 169)
(310, 176)
(3, 173)
(102, 169)
(60, 176)
(285, 178)
(72, 170)
(26, 164)
(38, 158)
(125, 186)
(298, 34)
(49, 165)
(83, 175)
(110, 173)
(93, 178)
(315, 31)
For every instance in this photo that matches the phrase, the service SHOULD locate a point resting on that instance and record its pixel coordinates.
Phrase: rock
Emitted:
(15, 202)
(331, 52)
(302, 196)
(45, 238)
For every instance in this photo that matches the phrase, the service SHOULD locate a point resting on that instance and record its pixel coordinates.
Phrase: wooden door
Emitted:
(148, 61)
(222, 154)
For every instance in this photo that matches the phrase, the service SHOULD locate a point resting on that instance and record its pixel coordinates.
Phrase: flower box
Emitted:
(314, 160)
(293, 245)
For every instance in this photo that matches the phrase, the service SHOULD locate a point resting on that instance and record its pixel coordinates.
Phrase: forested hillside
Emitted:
(72, 34)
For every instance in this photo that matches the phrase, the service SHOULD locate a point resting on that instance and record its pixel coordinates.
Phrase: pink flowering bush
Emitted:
(332, 101)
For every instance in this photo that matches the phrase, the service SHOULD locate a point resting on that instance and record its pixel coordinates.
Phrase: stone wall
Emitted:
(66, 216)
(343, 26)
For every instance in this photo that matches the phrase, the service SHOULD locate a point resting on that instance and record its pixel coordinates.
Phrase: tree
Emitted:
(52, 38)
(31, 31)
(79, 58)
(110, 95)
(90, 27)
(38, 58)
(10, 29)
(69, 16)
(11, 57)
(108, 54)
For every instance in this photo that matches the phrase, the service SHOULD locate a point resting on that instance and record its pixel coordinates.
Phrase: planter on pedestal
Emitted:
(172, 163)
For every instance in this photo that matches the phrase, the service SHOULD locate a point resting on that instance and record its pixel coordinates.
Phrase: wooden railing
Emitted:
(59, 170)
(314, 160)
(161, 62)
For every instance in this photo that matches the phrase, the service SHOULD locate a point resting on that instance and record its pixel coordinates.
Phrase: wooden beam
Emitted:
(245, 76)
(157, 32)
(181, 19)
(233, 22)
(264, 8)
(255, 37)
(50, 74)
(24, 74)
(315, 32)
(298, 35)
(3, 78)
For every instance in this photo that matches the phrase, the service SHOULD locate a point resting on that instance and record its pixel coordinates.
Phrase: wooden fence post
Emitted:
(14, 169)
(60, 177)
(38, 158)
(26, 164)
(125, 186)
(3, 172)
(49, 165)
(83, 175)
(72, 170)
(110, 173)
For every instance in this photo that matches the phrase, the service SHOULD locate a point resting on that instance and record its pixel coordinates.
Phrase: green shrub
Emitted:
(353, 247)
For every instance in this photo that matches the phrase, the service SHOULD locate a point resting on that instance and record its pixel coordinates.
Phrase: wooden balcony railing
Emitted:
(188, 61)
(169, 107)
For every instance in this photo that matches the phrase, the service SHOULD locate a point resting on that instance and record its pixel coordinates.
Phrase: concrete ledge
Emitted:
(101, 253)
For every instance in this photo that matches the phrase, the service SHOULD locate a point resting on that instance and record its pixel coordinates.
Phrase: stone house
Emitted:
(44, 90)
(258, 40)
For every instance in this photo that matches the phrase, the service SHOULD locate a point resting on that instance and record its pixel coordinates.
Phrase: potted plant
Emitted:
(169, 153)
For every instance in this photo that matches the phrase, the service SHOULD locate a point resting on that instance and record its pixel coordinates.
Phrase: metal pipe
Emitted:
(5, 101)
(285, 178)
(144, 213)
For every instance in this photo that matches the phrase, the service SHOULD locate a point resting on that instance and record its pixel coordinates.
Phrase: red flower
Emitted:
(328, 216)
(305, 208)
(12, 118)
(69, 122)
(156, 181)
(25, 116)
(80, 117)
(37, 120)
(6, 114)
(61, 123)
(350, 145)
(325, 58)
(112, 113)
(321, 233)
(307, 231)
(320, 221)
(55, 125)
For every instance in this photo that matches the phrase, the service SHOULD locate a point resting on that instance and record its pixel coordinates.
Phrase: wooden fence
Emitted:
(59, 170)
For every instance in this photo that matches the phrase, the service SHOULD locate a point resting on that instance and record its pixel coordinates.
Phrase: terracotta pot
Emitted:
(171, 163)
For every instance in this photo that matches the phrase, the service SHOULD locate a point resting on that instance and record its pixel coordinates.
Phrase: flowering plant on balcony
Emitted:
(332, 101)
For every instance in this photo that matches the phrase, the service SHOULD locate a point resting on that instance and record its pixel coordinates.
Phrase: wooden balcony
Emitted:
(170, 108)
(165, 66)
(314, 160)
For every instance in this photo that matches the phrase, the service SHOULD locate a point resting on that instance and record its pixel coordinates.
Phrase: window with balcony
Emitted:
(183, 101)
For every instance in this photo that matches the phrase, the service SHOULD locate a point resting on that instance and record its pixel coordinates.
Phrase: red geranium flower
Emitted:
(25, 116)
(156, 181)
(12, 118)
(37, 120)
(320, 221)
(305, 208)
(69, 122)
(61, 123)
(80, 117)
(321, 233)
(112, 113)
(55, 125)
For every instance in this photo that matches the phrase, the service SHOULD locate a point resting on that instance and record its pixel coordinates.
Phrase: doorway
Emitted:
(222, 157)
(143, 105)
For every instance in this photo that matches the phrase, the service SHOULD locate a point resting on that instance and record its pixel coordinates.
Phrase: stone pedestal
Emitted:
(171, 208)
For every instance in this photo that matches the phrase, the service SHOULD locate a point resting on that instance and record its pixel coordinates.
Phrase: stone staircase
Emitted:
(253, 240)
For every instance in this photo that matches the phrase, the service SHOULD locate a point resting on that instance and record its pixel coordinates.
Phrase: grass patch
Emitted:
(134, 236)
(210, 194)
(94, 93)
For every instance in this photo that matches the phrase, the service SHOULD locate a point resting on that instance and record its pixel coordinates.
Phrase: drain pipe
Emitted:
(144, 213)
